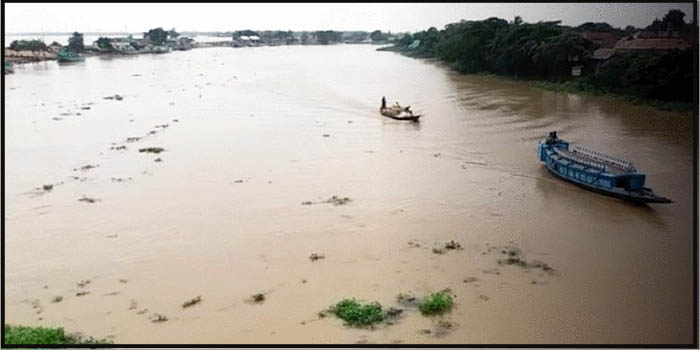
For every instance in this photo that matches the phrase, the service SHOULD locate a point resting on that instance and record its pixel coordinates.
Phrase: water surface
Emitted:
(252, 133)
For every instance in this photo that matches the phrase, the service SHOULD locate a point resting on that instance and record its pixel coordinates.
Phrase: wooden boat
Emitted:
(595, 171)
(69, 56)
(398, 113)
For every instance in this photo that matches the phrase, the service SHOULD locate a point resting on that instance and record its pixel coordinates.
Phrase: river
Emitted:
(253, 133)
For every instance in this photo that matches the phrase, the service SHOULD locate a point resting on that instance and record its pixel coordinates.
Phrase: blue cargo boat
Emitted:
(595, 171)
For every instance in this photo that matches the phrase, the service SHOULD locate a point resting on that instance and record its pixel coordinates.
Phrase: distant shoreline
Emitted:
(26, 56)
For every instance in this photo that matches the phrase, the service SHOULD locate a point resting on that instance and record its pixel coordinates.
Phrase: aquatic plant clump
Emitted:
(192, 302)
(436, 303)
(155, 150)
(41, 335)
(356, 314)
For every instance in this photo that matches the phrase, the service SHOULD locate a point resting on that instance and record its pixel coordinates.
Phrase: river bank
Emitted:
(24, 56)
(574, 85)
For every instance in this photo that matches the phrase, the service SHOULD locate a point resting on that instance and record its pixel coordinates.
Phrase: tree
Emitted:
(75, 43)
(674, 20)
(156, 36)
(326, 37)
(104, 43)
(28, 45)
(406, 40)
(376, 35)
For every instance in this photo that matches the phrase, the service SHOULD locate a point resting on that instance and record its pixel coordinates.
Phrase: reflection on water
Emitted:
(250, 134)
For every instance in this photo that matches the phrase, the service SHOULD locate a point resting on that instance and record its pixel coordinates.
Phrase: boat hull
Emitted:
(637, 197)
(399, 114)
(411, 118)
(591, 174)
(66, 60)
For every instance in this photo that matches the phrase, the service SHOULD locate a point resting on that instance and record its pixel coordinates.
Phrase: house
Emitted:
(633, 45)
(603, 39)
(254, 39)
(122, 46)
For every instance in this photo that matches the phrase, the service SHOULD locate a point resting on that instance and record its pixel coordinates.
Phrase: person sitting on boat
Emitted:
(552, 138)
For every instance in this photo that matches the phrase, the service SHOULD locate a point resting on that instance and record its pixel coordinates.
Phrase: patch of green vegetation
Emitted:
(436, 303)
(582, 87)
(356, 314)
(22, 335)
(28, 45)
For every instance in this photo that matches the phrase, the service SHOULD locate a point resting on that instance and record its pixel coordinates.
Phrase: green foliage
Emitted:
(356, 314)
(326, 37)
(673, 20)
(21, 335)
(104, 43)
(650, 75)
(28, 45)
(548, 50)
(436, 303)
(75, 43)
(405, 40)
(157, 36)
(378, 36)
(246, 32)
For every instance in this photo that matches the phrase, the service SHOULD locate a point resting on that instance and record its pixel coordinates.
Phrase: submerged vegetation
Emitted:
(22, 335)
(551, 53)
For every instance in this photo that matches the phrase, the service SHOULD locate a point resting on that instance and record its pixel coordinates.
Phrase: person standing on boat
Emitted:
(383, 102)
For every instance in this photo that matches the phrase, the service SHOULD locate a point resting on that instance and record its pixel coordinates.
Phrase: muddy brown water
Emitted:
(220, 215)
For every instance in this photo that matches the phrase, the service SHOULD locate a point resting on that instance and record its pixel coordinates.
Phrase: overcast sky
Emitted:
(135, 17)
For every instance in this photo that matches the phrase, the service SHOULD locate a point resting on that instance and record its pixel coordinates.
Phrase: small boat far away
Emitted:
(69, 56)
(397, 112)
(595, 171)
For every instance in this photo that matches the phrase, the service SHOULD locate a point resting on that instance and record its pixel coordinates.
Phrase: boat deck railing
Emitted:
(581, 160)
(604, 158)
(616, 167)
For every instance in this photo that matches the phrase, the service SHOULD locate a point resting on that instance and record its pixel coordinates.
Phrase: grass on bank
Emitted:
(573, 86)
(22, 335)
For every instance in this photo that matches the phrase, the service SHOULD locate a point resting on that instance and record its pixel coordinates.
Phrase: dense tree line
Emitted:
(326, 37)
(549, 50)
(28, 45)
